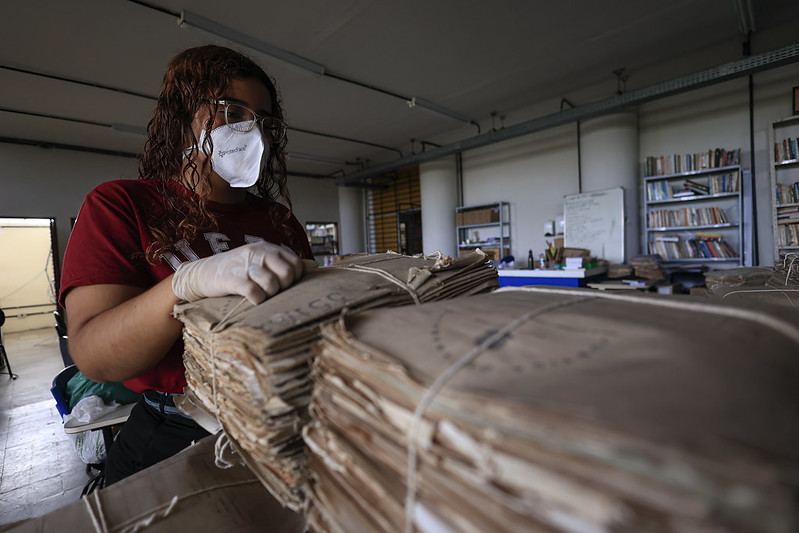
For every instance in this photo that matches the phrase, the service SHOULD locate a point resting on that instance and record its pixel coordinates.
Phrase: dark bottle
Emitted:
(530, 260)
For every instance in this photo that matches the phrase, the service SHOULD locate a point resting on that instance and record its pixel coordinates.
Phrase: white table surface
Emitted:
(552, 273)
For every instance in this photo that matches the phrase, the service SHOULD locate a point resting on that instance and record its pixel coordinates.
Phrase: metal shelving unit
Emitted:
(493, 220)
(673, 242)
(785, 171)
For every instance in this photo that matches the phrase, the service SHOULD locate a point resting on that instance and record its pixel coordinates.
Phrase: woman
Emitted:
(186, 229)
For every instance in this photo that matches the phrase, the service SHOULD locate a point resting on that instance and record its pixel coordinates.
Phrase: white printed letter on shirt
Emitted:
(217, 241)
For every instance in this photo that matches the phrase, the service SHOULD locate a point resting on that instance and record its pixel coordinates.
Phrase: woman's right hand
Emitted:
(255, 271)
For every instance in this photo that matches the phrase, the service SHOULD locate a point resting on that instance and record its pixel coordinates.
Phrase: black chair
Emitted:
(4, 364)
(106, 424)
(96, 472)
(59, 389)
(61, 330)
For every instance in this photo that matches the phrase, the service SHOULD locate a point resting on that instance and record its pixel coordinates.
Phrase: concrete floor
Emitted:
(39, 469)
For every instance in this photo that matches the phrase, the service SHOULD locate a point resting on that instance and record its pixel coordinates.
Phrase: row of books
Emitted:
(677, 163)
(786, 150)
(672, 247)
(687, 216)
(716, 184)
(788, 214)
(788, 234)
(787, 194)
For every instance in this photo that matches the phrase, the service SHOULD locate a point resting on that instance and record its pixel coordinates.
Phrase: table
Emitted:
(573, 277)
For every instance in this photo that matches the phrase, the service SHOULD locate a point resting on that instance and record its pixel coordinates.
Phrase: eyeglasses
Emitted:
(243, 119)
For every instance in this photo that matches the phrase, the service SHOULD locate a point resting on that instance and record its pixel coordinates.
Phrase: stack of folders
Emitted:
(248, 366)
(574, 262)
(616, 271)
(559, 410)
(648, 266)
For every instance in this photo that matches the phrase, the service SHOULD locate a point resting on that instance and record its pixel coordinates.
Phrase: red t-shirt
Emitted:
(110, 236)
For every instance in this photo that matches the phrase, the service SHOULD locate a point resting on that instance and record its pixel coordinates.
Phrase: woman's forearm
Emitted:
(118, 332)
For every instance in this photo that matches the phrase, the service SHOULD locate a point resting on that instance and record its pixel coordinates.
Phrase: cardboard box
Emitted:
(199, 495)
(484, 215)
(669, 288)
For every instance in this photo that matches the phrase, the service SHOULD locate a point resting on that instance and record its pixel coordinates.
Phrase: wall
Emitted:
(534, 172)
(314, 200)
(52, 183)
(718, 116)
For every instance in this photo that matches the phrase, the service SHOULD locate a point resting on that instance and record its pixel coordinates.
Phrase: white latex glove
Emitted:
(255, 271)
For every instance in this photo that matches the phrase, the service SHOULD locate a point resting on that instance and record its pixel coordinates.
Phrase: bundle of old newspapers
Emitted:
(248, 366)
(777, 285)
(569, 410)
(786, 271)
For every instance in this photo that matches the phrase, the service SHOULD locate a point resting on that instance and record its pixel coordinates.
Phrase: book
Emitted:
(696, 185)
(666, 237)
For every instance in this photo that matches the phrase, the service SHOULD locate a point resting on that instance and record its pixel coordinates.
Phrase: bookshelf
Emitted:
(323, 238)
(694, 217)
(484, 226)
(784, 173)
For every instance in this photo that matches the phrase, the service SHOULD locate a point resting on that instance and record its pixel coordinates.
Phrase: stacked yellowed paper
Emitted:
(562, 410)
(777, 285)
(738, 277)
(648, 267)
(248, 366)
(786, 271)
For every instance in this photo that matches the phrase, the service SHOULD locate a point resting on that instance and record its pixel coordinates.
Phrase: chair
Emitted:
(106, 423)
(59, 389)
(61, 330)
(3, 355)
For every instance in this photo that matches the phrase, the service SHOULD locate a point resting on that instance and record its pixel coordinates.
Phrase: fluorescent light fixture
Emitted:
(746, 15)
(27, 222)
(127, 128)
(430, 106)
(317, 158)
(202, 23)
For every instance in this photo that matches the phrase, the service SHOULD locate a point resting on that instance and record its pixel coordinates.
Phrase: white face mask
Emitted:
(238, 157)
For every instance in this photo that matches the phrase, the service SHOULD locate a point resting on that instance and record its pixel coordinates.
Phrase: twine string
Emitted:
(385, 275)
(440, 383)
(146, 519)
(222, 443)
(790, 267)
(149, 519)
(219, 448)
(97, 515)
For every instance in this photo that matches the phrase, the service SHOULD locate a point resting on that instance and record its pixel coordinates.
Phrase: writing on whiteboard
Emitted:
(595, 221)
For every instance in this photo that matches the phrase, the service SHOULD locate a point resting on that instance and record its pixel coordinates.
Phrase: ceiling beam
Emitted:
(711, 76)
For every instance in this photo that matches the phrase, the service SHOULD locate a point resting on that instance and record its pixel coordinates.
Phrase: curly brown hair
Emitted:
(194, 79)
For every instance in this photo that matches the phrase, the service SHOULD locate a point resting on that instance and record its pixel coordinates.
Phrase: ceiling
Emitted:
(71, 69)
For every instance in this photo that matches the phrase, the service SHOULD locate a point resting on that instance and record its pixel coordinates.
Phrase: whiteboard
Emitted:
(595, 221)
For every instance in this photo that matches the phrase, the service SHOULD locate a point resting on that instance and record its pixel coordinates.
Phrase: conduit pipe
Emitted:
(728, 71)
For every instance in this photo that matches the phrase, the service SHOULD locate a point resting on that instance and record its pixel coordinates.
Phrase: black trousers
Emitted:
(154, 431)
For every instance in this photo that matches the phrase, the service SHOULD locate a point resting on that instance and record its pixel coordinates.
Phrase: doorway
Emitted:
(394, 213)
(410, 230)
(28, 262)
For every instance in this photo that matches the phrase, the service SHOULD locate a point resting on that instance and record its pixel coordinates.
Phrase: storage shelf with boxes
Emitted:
(486, 227)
